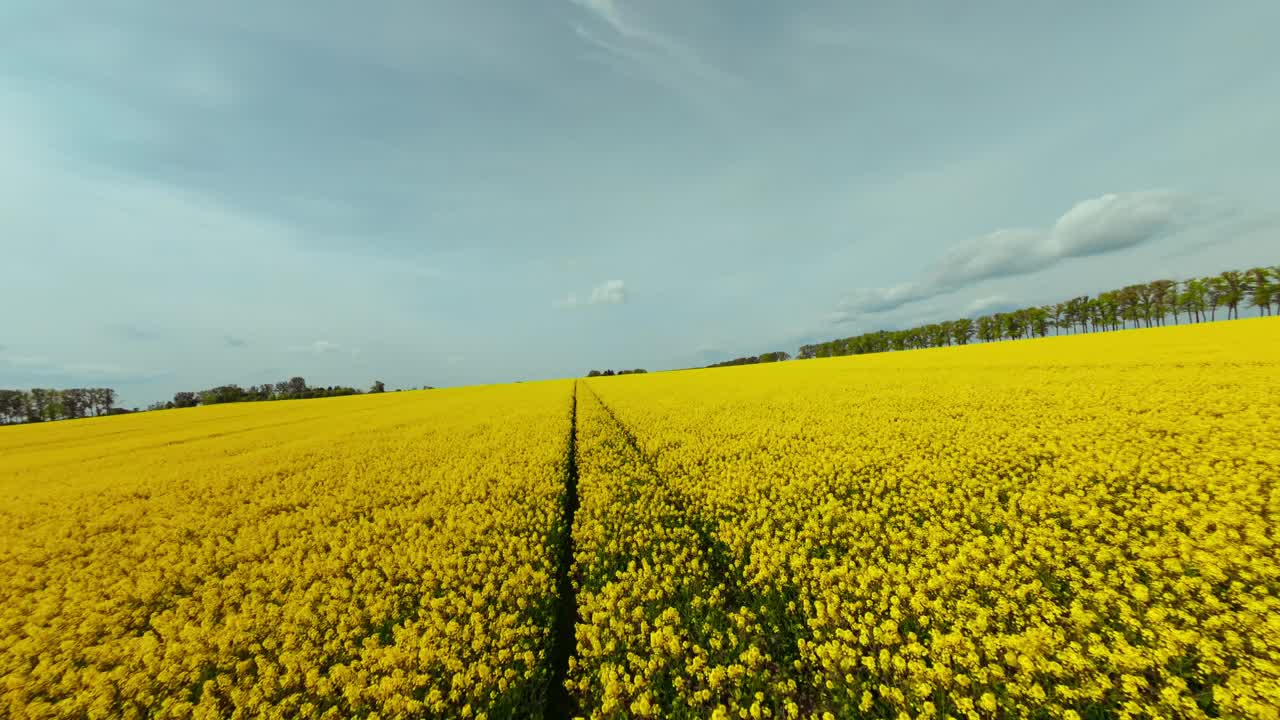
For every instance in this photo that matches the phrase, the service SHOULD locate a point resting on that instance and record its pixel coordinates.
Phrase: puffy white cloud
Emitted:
(1092, 227)
(1113, 222)
(1000, 254)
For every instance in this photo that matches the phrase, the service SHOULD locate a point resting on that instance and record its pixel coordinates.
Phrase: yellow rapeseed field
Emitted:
(384, 556)
(1075, 527)
(1071, 527)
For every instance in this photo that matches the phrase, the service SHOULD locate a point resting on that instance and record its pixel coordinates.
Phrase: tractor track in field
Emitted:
(559, 702)
(781, 638)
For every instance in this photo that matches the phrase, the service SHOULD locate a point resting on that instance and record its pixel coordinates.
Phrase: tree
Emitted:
(1010, 325)
(1274, 270)
(13, 406)
(984, 328)
(36, 408)
(1183, 304)
(378, 387)
(53, 407)
(1233, 291)
(1077, 313)
(1261, 290)
(185, 399)
(1038, 321)
(1108, 304)
(1196, 292)
(1214, 292)
(107, 396)
(75, 402)
(1163, 293)
(222, 394)
(1275, 276)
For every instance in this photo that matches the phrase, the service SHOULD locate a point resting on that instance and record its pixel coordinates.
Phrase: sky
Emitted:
(475, 191)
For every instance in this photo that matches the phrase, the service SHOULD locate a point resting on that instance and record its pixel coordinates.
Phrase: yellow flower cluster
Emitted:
(658, 628)
(1074, 527)
(383, 556)
(1063, 528)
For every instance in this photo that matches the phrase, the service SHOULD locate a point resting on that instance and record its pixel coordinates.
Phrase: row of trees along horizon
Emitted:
(611, 373)
(1143, 305)
(41, 404)
(45, 405)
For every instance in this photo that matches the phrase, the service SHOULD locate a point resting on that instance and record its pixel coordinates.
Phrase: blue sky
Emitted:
(440, 193)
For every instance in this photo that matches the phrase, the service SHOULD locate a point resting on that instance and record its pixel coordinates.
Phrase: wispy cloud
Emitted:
(607, 10)
(667, 60)
(1096, 226)
(611, 292)
(236, 342)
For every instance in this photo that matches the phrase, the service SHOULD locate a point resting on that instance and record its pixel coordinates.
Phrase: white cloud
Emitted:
(319, 347)
(870, 300)
(1093, 227)
(1113, 222)
(1000, 254)
(611, 292)
(990, 304)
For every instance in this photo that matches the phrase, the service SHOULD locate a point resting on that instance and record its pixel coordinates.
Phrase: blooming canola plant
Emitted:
(1071, 527)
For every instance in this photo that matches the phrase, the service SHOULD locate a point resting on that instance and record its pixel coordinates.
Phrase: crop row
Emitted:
(1088, 531)
(1081, 527)
(321, 559)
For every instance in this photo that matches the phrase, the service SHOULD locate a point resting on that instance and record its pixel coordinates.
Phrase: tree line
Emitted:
(611, 373)
(1143, 305)
(47, 404)
(768, 357)
(294, 388)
